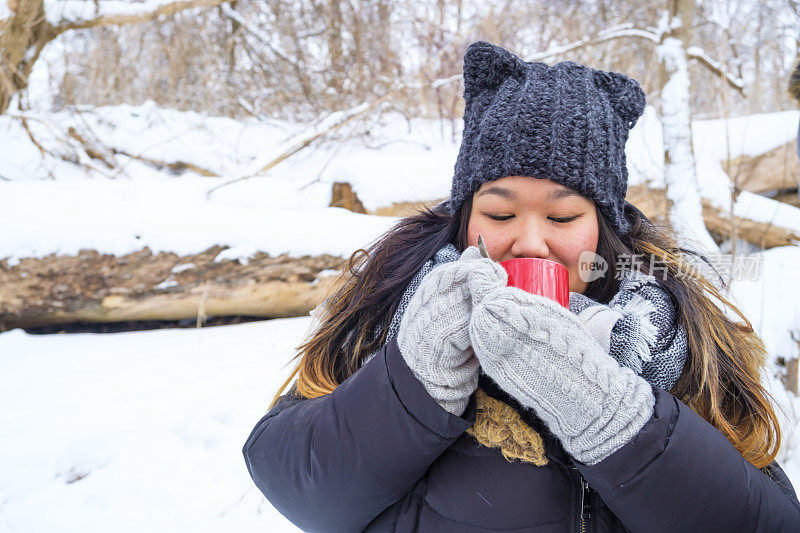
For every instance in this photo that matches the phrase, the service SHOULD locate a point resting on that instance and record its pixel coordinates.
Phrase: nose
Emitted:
(531, 241)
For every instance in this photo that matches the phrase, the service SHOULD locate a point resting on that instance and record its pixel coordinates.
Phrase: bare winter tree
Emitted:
(683, 195)
(27, 30)
(298, 60)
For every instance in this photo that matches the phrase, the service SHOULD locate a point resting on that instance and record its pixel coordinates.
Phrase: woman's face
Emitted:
(520, 216)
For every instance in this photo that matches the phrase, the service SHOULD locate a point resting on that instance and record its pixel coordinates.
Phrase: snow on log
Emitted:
(653, 203)
(221, 281)
(770, 172)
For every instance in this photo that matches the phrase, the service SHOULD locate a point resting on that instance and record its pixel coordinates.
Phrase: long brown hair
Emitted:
(721, 377)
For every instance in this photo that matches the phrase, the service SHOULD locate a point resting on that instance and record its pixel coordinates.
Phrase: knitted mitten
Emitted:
(544, 356)
(639, 327)
(636, 335)
(434, 337)
(599, 319)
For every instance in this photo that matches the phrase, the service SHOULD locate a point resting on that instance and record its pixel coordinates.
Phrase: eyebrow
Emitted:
(508, 194)
(557, 194)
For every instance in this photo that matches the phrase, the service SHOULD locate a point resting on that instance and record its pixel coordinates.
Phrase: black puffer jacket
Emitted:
(380, 454)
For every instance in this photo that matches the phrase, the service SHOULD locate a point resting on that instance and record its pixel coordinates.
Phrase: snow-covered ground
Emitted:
(144, 430)
(770, 303)
(138, 431)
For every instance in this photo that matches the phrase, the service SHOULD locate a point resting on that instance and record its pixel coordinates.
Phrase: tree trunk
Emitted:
(335, 45)
(686, 211)
(24, 35)
(22, 38)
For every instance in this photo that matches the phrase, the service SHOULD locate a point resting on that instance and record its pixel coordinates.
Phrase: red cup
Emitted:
(539, 276)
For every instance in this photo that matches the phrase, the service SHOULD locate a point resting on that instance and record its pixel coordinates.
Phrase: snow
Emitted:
(242, 254)
(722, 139)
(168, 215)
(166, 284)
(182, 267)
(713, 142)
(134, 414)
(401, 161)
(746, 135)
(152, 422)
(770, 304)
(644, 151)
(124, 210)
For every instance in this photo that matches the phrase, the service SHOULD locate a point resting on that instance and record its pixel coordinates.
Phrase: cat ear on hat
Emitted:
(486, 66)
(626, 97)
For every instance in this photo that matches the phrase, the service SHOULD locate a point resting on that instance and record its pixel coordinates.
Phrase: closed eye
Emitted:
(563, 220)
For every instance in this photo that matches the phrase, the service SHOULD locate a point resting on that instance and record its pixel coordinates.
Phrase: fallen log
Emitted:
(761, 234)
(653, 203)
(94, 287)
(775, 170)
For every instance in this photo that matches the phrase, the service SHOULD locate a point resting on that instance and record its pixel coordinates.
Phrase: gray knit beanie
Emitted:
(567, 123)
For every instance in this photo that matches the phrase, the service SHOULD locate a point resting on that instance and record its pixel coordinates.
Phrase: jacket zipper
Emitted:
(584, 495)
(584, 502)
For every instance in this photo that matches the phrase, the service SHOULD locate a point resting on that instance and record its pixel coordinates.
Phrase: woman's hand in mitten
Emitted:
(544, 356)
(598, 318)
(434, 335)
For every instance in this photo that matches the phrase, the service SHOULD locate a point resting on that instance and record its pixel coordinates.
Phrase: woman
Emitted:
(432, 397)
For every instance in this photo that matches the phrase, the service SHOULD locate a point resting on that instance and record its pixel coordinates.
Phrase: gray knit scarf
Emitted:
(637, 327)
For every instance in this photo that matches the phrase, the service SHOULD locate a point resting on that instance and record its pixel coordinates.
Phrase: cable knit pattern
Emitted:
(434, 337)
(542, 354)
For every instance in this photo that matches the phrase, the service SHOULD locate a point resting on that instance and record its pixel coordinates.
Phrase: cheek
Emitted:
(493, 238)
(582, 239)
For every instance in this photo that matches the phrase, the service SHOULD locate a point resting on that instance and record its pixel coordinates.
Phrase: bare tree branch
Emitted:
(695, 52)
(27, 32)
(120, 19)
(232, 14)
(617, 32)
(331, 123)
(337, 120)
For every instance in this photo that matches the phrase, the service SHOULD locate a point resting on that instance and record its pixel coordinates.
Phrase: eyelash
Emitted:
(559, 220)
